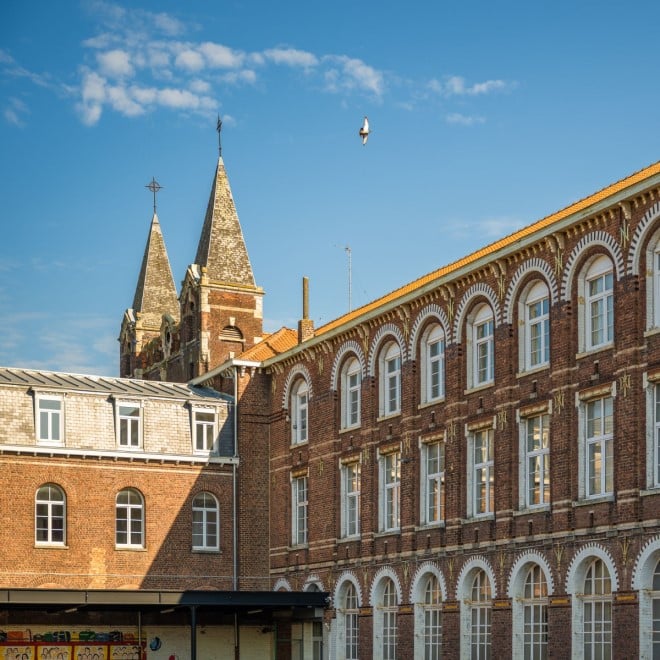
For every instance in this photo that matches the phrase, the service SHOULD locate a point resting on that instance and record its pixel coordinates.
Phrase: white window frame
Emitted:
(385, 620)
(531, 426)
(480, 334)
(481, 472)
(125, 420)
(350, 499)
(49, 421)
(535, 315)
(655, 452)
(205, 522)
(205, 430)
(432, 487)
(534, 614)
(135, 525)
(50, 508)
(598, 304)
(351, 394)
(389, 369)
(655, 285)
(299, 510)
(433, 364)
(598, 437)
(390, 491)
(479, 616)
(350, 622)
(432, 618)
(596, 606)
(300, 412)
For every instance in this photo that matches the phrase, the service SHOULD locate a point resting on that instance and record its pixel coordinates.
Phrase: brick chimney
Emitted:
(305, 325)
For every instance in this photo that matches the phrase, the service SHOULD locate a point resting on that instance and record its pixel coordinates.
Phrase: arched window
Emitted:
(389, 365)
(597, 612)
(205, 521)
(534, 311)
(535, 614)
(50, 515)
(432, 619)
(129, 523)
(299, 409)
(479, 605)
(385, 623)
(351, 385)
(481, 352)
(655, 595)
(596, 287)
(433, 364)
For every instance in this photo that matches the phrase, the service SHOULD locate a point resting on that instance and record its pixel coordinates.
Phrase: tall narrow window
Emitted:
(390, 494)
(49, 420)
(483, 347)
(480, 617)
(299, 510)
(537, 326)
(655, 321)
(351, 629)
(599, 447)
(537, 460)
(351, 386)
(205, 522)
(129, 527)
(50, 515)
(655, 609)
(535, 615)
(433, 364)
(350, 476)
(205, 435)
(432, 619)
(433, 482)
(599, 304)
(299, 403)
(597, 612)
(656, 435)
(390, 607)
(128, 415)
(390, 380)
(483, 472)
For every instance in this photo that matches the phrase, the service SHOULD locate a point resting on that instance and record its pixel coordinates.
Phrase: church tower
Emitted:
(219, 312)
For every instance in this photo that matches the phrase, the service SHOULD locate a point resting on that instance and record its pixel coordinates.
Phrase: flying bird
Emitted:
(364, 131)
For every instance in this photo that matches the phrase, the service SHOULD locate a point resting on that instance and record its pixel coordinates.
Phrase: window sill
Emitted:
(130, 548)
(533, 370)
(652, 490)
(594, 351)
(593, 499)
(434, 402)
(531, 510)
(206, 551)
(480, 387)
(349, 429)
(387, 532)
(49, 443)
(430, 526)
(479, 517)
(51, 546)
(349, 539)
(296, 548)
(382, 418)
(652, 331)
(295, 445)
(124, 448)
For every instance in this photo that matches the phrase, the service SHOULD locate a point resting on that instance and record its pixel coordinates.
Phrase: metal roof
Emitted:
(59, 381)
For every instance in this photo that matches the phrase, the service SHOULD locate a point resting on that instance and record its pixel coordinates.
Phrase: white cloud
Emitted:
(291, 57)
(115, 64)
(14, 113)
(200, 86)
(221, 57)
(456, 86)
(190, 60)
(463, 120)
(353, 74)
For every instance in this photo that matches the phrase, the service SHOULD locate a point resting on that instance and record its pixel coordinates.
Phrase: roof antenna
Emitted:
(347, 249)
(154, 186)
(218, 128)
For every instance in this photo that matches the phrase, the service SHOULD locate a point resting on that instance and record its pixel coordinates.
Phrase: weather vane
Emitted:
(154, 186)
(219, 128)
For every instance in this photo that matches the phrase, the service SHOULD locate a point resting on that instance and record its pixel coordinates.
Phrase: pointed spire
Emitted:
(155, 293)
(221, 246)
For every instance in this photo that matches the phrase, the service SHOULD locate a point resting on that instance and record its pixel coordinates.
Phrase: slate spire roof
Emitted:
(221, 246)
(155, 293)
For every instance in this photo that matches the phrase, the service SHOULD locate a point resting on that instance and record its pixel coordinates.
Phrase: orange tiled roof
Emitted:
(273, 344)
(580, 205)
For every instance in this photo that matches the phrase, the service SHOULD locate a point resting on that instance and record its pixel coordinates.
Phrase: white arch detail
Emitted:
(479, 289)
(523, 561)
(350, 347)
(427, 568)
(282, 583)
(297, 370)
(313, 579)
(385, 572)
(479, 562)
(387, 330)
(639, 238)
(431, 311)
(645, 564)
(577, 569)
(532, 266)
(345, 578)
(601, 238)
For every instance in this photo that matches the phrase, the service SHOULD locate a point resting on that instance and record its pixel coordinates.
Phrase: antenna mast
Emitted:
(347, 249)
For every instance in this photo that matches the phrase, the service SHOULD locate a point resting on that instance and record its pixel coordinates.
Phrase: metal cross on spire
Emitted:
(218, 128)
(154, 186)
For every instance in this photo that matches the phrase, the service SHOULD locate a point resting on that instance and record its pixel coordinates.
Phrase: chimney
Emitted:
(305, 325)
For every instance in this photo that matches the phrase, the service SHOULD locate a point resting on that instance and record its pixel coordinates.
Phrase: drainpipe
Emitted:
(237, 649)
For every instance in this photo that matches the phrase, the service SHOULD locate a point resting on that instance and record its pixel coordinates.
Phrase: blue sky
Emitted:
(486, 116)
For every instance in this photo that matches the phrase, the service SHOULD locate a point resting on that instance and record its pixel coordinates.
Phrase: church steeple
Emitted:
(221, 248)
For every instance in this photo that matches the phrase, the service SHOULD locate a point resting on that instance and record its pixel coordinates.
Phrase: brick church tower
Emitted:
(219, 312)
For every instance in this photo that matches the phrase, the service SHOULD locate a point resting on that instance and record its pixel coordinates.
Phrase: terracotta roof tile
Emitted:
(278, 342)
(580, 205)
